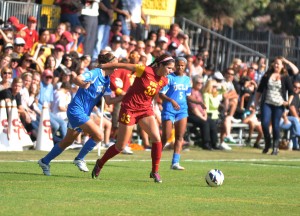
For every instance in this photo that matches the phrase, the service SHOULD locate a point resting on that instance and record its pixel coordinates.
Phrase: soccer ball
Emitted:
(214, 178)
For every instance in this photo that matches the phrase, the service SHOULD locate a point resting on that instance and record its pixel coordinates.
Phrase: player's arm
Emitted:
(173, 102)
(113, 100)
(112, 66)
(81, 82)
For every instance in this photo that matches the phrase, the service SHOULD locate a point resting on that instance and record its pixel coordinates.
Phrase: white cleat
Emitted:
(176, 166)
(81, 164)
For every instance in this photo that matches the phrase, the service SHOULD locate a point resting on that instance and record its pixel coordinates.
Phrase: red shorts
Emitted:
(127, 117)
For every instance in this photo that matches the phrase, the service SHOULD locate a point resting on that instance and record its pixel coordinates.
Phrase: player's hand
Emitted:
(175, 105)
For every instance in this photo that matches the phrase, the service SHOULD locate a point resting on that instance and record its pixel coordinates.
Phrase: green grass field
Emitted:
(255, 184)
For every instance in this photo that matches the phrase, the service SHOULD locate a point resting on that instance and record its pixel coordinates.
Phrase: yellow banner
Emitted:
(160, 12)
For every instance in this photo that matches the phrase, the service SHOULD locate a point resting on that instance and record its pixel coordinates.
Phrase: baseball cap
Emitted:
(68, 36)
(218, 75)
(8, 45)
(116, 39)
(13, 20)
(173, 46)
(59, 47)
(19, 41)
(47, 72)
(163, 39)
(31, 19)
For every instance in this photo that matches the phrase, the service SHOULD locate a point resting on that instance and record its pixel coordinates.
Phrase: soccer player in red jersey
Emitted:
(137, 107)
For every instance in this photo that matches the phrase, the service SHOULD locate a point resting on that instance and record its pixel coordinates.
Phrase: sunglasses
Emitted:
(20, 45)
(231, 74)
(132, 44)
(7, 73)
(296, 87)
(119, 25)
(199, 82)
(49, 77)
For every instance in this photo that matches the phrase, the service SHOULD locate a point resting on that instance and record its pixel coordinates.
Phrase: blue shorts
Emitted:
(76, 118)
(174, 116)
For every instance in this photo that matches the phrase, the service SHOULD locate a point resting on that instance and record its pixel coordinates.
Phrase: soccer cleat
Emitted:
(96, 170)
(229, 139)
(224, 146)
(45, 168)
(176, 166)
(156, 177)
(127, 150)
(81, 164)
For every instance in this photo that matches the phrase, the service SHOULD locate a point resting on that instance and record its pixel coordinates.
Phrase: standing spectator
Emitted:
(104, 24)
(69, 11)
(121, 7)
(31, 35)
(271, 93)
(148, 82)
(137, 15)
(89, 20)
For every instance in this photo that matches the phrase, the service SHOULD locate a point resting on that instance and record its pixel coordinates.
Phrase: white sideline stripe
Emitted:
(188, 160)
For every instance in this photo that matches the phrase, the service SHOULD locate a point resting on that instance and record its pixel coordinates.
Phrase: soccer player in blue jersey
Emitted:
(175, 109)
(93, 85)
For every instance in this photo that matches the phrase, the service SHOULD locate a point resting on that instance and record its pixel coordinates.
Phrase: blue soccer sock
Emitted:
(87, 147)
(55, 151)
(176, 158)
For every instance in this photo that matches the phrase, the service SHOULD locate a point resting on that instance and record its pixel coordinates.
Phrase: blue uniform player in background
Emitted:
(175, 108)
(93, 85)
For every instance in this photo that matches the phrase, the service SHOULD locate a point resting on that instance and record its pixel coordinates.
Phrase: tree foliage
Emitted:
(281, 16)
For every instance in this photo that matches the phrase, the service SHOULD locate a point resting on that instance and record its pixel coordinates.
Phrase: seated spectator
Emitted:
(55, 37)
(44, 44)
(6, 76)
(291, 122)
(62, 98)
(162, 43)
(19, 44)
(8, 49)
(5, 61)
(199, 116)
(198, 65)
(66, 40)
(116, 49)
(13, 93)
(183, 47)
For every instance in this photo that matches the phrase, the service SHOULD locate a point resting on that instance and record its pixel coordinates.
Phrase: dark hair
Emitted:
(24, 57)
(160, 60)
(105, 58)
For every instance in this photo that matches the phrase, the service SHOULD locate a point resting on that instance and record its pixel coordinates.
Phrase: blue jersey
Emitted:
(84, 101)
(178, 88)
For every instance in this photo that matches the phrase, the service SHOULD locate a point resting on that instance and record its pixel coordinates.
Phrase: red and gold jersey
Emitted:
(145, 86)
